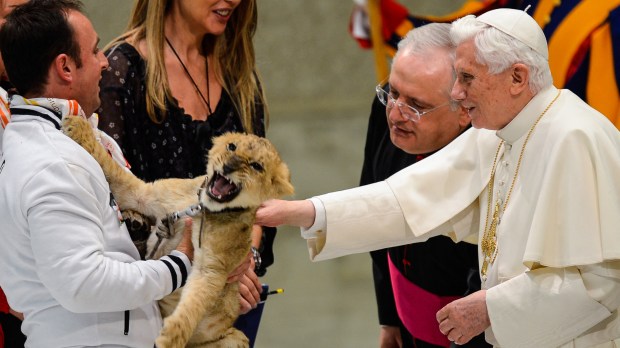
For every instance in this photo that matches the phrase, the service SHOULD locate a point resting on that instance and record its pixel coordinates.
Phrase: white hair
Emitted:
(425, 38)
(499, 51)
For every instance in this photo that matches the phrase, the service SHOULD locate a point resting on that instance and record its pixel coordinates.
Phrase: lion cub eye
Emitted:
(257, 166)
(232, 147)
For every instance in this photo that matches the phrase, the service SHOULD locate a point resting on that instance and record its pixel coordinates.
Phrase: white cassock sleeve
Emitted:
(547, 307)
(436, 196)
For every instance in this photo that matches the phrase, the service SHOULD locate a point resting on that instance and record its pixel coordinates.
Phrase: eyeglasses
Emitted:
(408, 111)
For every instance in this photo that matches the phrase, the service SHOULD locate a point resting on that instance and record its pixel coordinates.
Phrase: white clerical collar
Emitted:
(524, 120)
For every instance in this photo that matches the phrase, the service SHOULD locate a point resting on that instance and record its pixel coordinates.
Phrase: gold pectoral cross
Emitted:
(489, 238)
(489, 242)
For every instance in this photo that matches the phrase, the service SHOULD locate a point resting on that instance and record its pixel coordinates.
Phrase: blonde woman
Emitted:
(184, 72)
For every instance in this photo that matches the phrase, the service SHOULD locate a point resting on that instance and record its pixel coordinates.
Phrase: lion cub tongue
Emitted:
(222, 187)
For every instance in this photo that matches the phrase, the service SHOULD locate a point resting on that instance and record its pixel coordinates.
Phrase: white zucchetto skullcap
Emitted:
(519, 25)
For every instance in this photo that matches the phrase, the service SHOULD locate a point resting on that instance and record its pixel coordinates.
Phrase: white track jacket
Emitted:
(66, 259)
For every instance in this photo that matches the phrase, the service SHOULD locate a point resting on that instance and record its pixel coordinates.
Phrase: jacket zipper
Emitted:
(126, 332)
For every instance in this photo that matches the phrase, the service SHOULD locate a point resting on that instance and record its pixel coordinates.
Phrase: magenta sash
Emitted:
(417, 308)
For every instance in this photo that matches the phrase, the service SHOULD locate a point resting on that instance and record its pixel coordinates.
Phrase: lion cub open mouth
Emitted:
(221, 189)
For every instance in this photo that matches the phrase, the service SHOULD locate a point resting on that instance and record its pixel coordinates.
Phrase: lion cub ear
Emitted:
(281, 181)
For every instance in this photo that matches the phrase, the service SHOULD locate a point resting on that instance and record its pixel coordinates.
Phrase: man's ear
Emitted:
(64, 68)
(520, 78)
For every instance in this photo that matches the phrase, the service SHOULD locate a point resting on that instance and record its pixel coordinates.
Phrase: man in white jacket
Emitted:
(536, 183)
(66, 259)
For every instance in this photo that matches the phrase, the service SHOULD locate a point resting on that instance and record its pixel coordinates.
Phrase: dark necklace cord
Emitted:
(206, 100)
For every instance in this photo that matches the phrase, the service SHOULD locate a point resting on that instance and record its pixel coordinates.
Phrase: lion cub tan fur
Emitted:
(243, 171)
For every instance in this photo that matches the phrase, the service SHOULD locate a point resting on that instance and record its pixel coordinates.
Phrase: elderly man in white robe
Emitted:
(536, 182)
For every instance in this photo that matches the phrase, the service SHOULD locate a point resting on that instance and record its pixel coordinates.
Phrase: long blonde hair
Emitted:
(233, 52)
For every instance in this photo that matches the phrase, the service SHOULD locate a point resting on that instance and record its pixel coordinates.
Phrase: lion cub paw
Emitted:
(171, 335)
(139, 227)
(80, 131)
(234, 339)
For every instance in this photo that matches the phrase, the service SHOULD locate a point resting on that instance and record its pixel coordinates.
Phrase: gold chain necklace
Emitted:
(488, 244)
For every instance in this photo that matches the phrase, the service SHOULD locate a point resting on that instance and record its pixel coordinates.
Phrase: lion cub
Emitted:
(243, 171)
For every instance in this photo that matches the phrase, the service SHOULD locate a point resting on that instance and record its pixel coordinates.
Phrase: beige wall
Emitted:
(108, 16)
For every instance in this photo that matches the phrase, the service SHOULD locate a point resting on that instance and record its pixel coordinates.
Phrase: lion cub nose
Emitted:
(233, 164)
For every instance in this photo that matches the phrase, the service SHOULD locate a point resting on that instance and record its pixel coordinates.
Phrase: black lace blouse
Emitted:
(175, 148)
